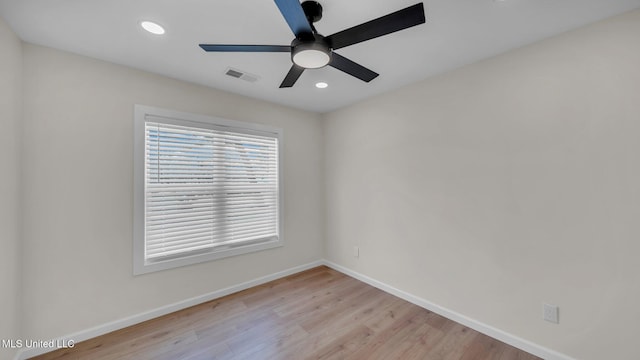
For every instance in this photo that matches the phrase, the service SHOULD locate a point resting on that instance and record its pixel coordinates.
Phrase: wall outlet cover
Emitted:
(550, 313)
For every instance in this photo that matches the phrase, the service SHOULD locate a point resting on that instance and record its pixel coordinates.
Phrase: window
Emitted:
(204, 188)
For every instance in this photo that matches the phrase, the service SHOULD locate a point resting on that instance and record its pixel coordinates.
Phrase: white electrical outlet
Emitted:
(356, 251)
(550, 313)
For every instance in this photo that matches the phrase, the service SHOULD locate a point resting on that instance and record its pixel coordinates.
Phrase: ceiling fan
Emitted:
(311, 50)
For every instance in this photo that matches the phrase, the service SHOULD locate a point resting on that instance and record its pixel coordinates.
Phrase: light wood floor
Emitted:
(316, 314)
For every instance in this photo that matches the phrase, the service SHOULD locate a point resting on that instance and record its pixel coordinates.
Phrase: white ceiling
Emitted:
(457, 32)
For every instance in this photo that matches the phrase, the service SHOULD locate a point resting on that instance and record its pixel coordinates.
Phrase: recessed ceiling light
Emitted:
(152, 27)
(321, 85)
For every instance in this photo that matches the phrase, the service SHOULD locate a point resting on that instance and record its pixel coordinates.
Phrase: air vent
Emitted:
(235, 74)
(243, 75)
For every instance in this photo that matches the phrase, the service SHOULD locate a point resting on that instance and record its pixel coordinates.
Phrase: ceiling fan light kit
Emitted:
(311, 54)
(311, 50)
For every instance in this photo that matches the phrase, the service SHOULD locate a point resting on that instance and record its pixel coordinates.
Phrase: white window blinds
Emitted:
(207, 188)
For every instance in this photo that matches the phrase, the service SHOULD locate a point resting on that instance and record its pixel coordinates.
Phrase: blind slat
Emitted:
(220, 235)
(194, 227)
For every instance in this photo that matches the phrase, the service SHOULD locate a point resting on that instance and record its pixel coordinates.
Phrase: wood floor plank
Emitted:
(483, 347)
(333, 309)
(388, 338)
(315, 314)
(342, 347)
(417, 343)
(269, 345)
(454, 345)
(360, 312)
(322, 298)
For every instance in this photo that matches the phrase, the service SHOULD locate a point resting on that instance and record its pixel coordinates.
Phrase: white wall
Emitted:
(510, 182)
(10, 114)
(78, 163)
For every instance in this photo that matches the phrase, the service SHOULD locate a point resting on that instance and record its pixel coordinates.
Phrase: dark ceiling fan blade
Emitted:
(246, 48)
(294, 15)
(354, 69)
(399, 20)
(292, 76)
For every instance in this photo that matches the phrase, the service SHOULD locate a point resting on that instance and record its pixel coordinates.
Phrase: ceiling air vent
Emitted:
(243, 75)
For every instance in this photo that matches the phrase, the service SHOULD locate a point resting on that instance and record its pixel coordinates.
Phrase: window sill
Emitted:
(200, 257)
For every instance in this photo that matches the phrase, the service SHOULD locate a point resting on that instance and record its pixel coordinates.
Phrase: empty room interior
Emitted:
(331, 180)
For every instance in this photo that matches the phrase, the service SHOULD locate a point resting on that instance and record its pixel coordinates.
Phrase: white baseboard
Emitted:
(151, 314)
(498, 334)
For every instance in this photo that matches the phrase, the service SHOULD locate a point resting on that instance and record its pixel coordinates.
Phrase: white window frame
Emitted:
(141, 113)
